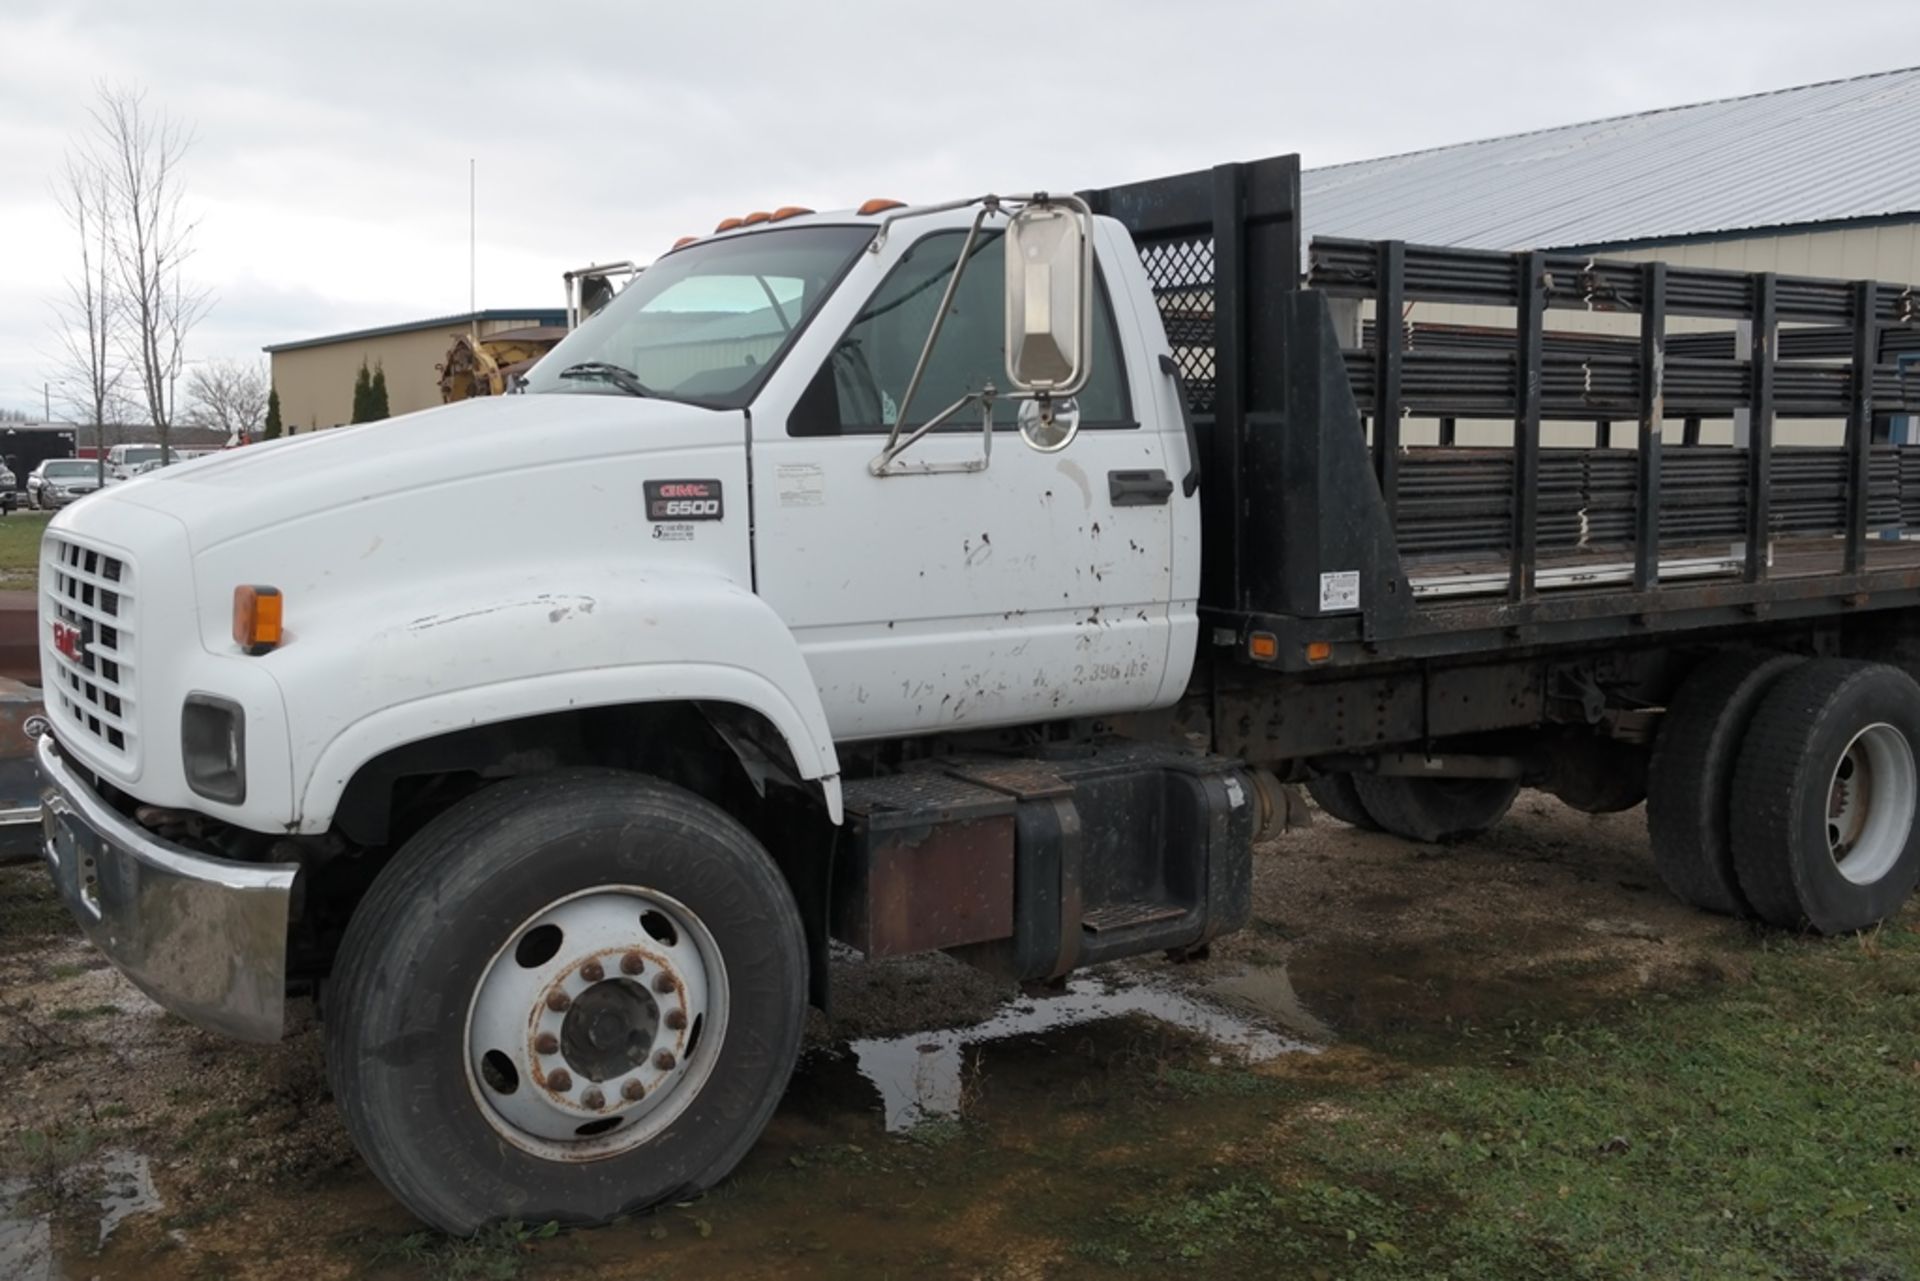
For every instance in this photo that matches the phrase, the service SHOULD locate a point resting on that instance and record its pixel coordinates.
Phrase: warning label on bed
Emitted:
(1340, 590)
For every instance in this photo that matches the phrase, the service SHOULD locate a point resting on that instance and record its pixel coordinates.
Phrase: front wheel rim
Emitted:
(596, 1023)
(1871, 799)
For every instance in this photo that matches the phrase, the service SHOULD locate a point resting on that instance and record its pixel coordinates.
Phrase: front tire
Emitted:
(1825, 797)
(567, 998)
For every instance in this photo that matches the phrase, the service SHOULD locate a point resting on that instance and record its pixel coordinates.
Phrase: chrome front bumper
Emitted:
(205, 937)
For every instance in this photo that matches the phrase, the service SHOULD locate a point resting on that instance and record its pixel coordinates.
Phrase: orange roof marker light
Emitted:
(880, 204)
(755, 218)
(256, 618)
(785, 212)
(727, 224)
(684, 241)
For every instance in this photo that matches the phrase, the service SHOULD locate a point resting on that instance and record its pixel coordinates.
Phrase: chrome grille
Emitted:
(90, 646)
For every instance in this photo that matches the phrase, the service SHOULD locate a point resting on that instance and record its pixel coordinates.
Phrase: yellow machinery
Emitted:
(486, 364)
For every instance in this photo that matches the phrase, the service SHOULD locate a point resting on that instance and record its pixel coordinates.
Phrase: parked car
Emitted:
(59, 481)
(9, 491)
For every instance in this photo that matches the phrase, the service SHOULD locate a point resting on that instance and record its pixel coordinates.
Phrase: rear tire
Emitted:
(1336, 794)
(1435, 809)
(1690, 777)
(691, 996)
(1825, 796)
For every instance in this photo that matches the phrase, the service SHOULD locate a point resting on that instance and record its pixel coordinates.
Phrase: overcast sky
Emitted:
(329, 174)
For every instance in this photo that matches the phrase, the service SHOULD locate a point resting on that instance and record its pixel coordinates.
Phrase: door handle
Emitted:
(1139, 488)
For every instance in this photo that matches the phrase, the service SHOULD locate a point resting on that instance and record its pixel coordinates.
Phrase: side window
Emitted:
(859, 389)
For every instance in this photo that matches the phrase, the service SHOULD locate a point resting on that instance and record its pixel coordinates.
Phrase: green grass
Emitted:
(1765, 1130)
(20, 548)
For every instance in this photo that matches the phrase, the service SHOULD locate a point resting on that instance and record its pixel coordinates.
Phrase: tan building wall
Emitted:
(316, 382)
(1888, 253)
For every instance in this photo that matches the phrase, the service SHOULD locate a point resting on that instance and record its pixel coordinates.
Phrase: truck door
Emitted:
(1033, 589)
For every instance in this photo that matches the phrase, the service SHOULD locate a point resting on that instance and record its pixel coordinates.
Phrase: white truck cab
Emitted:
(788, 494)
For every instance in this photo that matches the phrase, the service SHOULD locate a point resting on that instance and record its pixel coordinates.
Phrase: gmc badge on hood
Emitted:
(683, 500)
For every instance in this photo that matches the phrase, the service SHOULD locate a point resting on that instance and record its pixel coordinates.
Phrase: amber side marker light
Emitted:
(1319, 651)
(256, 618)
(1264, 646)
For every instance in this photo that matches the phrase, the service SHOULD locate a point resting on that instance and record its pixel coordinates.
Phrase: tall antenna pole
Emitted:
(473, 289)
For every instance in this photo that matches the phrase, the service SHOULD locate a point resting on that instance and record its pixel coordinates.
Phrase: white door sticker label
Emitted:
(800, 484)
(1340, 590)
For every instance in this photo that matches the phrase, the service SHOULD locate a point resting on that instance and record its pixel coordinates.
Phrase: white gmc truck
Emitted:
(968, 577)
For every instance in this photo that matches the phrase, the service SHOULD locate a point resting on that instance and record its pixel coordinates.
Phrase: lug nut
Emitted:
(664, 1060)
(593, 1099)
(559, 1079)
(663, 983)
(546, 1043)
(592, 972)
(632, 963)
(676, 1019)
(558, 1001)
(633, 1091)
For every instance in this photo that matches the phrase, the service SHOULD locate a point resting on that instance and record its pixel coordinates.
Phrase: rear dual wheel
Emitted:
(567, 998)
(1785, 789)
(1824, 798)
(1337, 795)
(1435, 809)
(1690, 776)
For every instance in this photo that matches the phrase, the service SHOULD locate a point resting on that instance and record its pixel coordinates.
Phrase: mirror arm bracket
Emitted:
(886, 462)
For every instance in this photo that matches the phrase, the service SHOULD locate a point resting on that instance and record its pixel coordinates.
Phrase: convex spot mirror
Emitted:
(1049, 254)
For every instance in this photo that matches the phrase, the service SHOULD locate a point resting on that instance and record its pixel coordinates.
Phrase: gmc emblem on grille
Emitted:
(68, 640)
(683, 500)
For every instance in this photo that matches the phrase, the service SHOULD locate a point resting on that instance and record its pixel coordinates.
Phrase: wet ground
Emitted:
(943, 1126)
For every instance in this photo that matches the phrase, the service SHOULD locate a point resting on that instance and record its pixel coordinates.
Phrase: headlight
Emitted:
(213, 745)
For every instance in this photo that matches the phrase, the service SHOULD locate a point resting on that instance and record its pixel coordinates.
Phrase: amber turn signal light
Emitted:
(1264, 646)
(256, 618)
(1319, 651)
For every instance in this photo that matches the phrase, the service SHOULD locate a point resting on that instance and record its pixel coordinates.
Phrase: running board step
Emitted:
(1120, 916)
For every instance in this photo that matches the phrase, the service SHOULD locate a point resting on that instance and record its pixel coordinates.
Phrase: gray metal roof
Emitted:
(1841, 150)
(526, 316)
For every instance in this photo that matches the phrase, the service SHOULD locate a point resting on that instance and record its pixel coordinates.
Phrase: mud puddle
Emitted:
(922, 1076)
(123, 1184)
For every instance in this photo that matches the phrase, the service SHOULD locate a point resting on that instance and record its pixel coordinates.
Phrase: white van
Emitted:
(122, 459)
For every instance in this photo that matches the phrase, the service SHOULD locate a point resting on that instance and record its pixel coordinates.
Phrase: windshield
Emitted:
(73, 467)
(707, 323)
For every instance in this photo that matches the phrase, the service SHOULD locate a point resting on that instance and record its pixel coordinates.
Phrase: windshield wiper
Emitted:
(619, 376)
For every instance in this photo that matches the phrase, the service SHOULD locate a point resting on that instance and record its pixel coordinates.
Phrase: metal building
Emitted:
(315, 375)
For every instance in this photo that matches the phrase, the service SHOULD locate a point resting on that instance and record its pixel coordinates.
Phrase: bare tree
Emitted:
(89, 314)
(152, 239)
(229, 396)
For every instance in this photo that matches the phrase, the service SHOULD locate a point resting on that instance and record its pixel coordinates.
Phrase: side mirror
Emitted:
(1049, 253)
